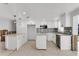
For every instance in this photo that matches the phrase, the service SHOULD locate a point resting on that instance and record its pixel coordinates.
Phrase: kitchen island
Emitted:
(41, 41)
(14, 41)
(63, 41)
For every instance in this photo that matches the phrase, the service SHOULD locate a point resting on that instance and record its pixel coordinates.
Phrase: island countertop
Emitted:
(15, 34)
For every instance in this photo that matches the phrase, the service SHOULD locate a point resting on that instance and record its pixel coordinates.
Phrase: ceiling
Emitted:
(36, 11)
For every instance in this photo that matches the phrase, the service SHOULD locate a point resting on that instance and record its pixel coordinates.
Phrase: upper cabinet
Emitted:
(65, 20)
(68, 20)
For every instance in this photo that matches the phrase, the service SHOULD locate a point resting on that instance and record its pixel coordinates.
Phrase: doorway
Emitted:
(31, 31)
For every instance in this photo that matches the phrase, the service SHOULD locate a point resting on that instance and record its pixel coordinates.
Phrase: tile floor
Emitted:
(29, 49)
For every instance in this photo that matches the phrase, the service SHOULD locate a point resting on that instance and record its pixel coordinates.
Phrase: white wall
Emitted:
(21, 28)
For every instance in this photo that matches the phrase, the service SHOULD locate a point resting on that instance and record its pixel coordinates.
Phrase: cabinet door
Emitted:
(41, 42)
(65, 42)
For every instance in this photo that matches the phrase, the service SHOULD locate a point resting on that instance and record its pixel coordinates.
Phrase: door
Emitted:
(31, 32)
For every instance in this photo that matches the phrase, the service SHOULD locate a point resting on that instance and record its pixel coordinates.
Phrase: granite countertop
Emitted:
(64, 34)
(57, 33)
(14, 34)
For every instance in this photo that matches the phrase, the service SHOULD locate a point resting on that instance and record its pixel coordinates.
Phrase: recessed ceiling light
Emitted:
(24, 13)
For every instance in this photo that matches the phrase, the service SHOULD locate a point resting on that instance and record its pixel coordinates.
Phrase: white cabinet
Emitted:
(67, 20)
(10, 42)
(41, 42)
(65, 42)
(75, 25)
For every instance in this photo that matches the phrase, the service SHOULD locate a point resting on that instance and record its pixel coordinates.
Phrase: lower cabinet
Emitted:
(63, 42)
(10, 42)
